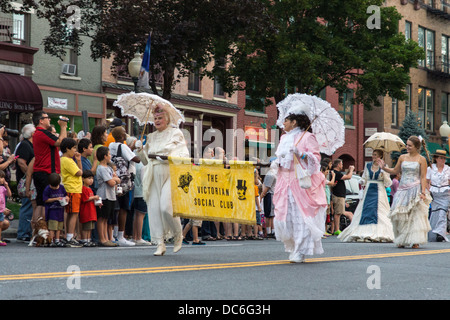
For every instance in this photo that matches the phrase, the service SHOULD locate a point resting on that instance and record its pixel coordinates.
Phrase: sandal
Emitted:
(237, 238)
(209, 238)
(415, 246)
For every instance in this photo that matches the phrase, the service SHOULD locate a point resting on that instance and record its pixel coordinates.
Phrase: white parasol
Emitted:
(140, 106)
(326, 123)
(385, 141)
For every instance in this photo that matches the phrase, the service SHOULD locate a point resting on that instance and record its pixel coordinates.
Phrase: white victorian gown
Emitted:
(156, 186)
(409, 213)
(370, 220)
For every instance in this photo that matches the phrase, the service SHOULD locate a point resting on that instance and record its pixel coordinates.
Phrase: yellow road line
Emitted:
(165, 269)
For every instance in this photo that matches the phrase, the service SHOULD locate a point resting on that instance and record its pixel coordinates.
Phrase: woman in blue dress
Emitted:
(370, 221)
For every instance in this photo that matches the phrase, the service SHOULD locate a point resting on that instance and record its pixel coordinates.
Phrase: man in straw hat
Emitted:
(438, 176)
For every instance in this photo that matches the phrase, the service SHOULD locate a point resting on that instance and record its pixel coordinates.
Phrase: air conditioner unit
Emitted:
(69, 69)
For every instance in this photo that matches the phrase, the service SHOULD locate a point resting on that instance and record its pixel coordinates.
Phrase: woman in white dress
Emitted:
(409, 210)
(438, 176)
(370, 221)
(167, 140)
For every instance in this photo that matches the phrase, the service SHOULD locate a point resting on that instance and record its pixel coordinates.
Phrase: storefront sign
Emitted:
(57, 103)
(255, 133)
(14, 106)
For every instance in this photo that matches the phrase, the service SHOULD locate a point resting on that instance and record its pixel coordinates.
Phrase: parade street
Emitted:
(226, 270)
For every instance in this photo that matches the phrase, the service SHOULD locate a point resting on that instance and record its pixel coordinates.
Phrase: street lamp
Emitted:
(134, 67)
(444, 131)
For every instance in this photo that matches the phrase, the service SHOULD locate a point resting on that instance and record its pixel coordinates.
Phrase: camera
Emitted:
(10, 132)
(65, 119)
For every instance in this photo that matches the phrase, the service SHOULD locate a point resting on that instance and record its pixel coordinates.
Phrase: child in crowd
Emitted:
(257, 235)
(55, 197)
(71, 172)
(4, 192)
(328, 183)
(107, 180)
(88, 212)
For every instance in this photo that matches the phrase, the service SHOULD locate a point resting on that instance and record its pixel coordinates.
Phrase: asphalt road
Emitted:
(226, 270)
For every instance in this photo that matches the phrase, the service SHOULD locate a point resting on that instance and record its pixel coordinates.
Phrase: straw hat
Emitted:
(440, 153)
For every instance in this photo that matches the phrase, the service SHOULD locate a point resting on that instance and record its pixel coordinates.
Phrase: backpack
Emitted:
(126, 181)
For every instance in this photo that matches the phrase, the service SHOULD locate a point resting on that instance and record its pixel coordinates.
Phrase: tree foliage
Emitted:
(312, 44)
(182, 31)
(272, 47)
(410, 127)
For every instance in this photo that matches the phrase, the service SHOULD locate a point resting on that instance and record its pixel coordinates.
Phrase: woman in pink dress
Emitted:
(299, 211)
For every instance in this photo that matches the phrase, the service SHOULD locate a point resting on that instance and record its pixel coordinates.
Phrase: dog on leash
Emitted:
(40, 234)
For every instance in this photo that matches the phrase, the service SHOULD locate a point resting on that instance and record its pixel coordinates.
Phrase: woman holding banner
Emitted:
(300, 206)
(167, 140)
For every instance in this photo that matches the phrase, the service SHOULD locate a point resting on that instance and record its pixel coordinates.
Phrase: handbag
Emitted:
(21, 188)
(303, 178)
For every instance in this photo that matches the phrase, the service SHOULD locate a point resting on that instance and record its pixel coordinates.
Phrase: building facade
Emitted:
(428, 24)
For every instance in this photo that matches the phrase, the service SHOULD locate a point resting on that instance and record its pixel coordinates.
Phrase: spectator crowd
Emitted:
(88, 188)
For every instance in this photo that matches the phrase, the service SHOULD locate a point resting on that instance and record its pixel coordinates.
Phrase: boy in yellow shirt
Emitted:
(71, 172)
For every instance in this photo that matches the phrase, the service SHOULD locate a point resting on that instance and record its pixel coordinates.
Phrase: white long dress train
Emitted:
(409, 213)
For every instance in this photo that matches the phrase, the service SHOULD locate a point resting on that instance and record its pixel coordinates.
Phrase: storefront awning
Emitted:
(19, 94)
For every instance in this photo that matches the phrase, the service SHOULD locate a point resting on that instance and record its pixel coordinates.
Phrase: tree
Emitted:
(311, 44)
(183, 32)
(410, 127)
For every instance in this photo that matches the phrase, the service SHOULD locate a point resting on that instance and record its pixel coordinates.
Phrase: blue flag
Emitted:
(145, 67)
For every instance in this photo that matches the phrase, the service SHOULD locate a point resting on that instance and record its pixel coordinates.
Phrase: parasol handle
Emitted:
(145, 124)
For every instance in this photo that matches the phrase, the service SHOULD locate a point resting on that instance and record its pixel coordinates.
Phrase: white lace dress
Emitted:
(409, 214)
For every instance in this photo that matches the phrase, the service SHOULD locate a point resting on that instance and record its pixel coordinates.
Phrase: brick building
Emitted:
(427, 23)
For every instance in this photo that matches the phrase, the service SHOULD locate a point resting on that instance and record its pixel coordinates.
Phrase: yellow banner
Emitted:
(211, 192)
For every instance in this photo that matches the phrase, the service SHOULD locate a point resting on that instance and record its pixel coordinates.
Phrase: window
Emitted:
(70, 62)
(408, 30)
(394, 112)
(218, 91)
(345, 108)
(254, 105)
(19, 29)
(408, 99)
(426, 41)
(194, 80)
(430, 49)
(426, 108)
(445, 104)
(445, 53)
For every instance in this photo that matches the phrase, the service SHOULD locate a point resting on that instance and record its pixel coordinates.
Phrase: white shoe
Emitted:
(297, 258)
(125, 243)
(160, 250)
(178, 242)
(142, 242)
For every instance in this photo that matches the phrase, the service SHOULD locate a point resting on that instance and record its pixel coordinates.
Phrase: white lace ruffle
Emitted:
(300, 233)
(284, 153)
(409, 216)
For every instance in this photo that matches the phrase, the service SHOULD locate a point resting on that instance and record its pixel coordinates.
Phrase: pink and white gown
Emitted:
(299, 213)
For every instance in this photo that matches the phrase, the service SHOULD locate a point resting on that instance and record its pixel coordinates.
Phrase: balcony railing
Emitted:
(440, 67)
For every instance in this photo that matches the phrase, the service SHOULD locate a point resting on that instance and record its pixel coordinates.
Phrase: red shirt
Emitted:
(88, 211)
(45, 153)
